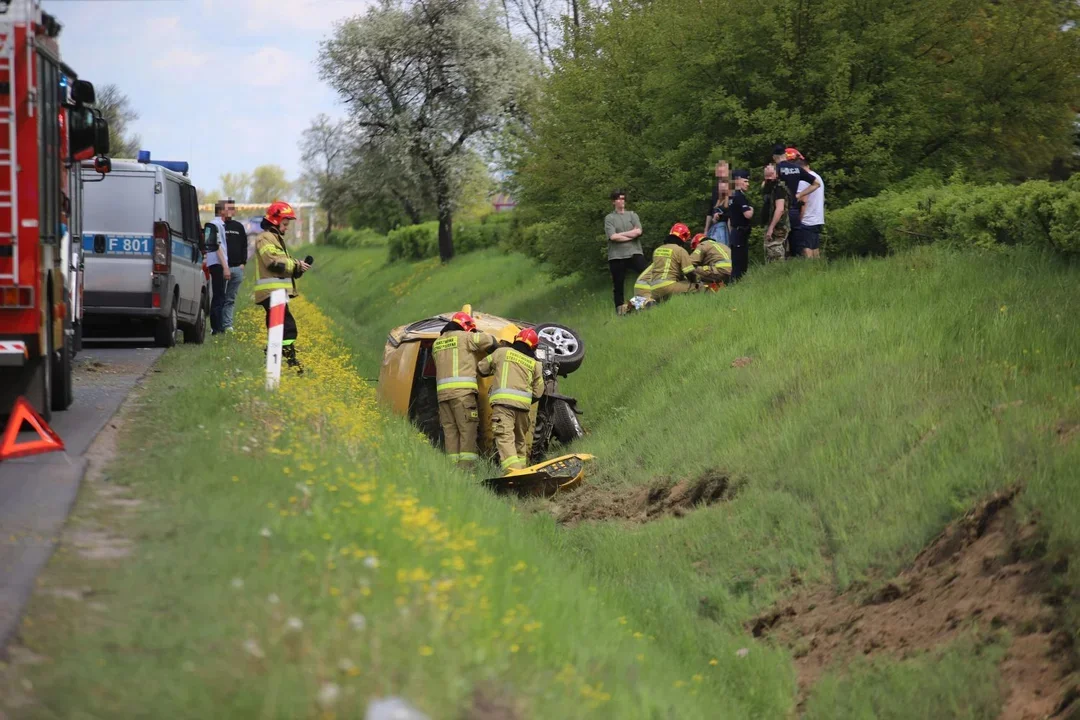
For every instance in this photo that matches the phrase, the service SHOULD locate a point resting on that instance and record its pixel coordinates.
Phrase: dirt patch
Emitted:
(488, 704)
(1066, 431)
(644, 504)
(984, 573)
(741, 362)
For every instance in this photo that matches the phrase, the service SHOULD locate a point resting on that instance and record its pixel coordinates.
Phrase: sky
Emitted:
(226, 85)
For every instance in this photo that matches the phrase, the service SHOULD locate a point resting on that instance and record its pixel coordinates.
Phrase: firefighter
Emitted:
(519, 382)
(712, 260)
(671, 271)
(278, 271)
(459, 347)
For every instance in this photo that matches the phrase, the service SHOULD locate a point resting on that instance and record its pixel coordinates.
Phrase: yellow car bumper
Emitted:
(543, 479)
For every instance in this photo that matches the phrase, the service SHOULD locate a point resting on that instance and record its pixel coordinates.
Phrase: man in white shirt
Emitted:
(806, 241)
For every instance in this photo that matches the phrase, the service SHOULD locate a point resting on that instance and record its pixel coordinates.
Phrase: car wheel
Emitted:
(165, 332)
(196, 333)
(567, 427)
(567, 346)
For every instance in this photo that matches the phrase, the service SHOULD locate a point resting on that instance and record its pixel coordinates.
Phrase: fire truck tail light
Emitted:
(17, 297)
(161, 247)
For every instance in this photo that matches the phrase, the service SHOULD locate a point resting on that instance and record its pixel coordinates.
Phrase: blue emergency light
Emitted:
(174, 165)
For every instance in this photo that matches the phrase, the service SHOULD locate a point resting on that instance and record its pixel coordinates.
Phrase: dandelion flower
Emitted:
(328, 695)
(265, 532)
(252, 648)
(237, 583)
(427, 650)
(714, 662)
(371, 562)
(294, 624)
(742, 652)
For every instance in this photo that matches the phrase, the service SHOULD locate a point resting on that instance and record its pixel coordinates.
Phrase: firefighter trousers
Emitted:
(678, 288)
(510, 426)
(288, 328)
(459, 421)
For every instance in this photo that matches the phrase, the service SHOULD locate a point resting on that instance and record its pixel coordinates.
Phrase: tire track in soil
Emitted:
(986, 572)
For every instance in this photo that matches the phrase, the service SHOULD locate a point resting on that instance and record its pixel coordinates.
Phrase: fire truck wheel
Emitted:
(62, 394)
(165, 332)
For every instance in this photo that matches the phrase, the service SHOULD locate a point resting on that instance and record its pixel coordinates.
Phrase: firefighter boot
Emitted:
(289, 353)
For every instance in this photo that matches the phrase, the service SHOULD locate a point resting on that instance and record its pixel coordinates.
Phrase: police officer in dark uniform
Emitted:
(739, 214)
(791, 173)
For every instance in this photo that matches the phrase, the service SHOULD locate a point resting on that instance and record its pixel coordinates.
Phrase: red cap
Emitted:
(792, 154)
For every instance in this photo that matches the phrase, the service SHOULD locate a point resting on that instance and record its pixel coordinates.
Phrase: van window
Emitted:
(119, 204)
(175, 207)
(191, 214)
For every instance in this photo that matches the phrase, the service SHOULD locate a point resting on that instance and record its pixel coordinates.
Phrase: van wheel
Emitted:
(195, 334)
(62, 392)
(165, 332)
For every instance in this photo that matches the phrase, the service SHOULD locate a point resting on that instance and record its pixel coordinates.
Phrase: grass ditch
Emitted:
(868, 403)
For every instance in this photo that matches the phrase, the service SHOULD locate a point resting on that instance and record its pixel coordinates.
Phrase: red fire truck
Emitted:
(47, 128)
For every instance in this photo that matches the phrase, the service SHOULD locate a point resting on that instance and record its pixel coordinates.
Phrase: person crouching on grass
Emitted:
(671, 271)
(519, 382)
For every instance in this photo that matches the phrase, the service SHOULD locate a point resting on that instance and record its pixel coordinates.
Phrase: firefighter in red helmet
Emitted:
(518, 383)
(672, 271)
(457, 352)
(278, 270)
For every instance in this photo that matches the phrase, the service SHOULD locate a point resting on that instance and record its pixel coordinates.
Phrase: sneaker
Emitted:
(229, 329)
(622, 309)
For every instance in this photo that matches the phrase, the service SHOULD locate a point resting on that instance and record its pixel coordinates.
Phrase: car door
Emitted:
(193, 260)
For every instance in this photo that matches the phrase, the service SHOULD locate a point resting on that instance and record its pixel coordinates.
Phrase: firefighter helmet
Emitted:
(279, 211)
(529, 337)
(680, 231)
(464, 320)
(696, 241)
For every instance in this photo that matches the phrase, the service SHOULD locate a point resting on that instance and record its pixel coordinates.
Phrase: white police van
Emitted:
(141, 238)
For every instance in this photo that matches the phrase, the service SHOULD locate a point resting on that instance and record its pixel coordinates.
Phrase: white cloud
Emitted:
(180, 59)
(285, 16)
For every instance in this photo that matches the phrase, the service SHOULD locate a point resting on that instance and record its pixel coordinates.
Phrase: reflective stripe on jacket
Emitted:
(275, 266)
(519, 379)
(456, 353)
(670, 264)
(712, 258)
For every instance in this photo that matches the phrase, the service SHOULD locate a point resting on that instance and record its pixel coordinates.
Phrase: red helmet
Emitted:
(279, 211)
(697, 241)
(529, 337)
(681, 231)
(792, 154)
(465, 321)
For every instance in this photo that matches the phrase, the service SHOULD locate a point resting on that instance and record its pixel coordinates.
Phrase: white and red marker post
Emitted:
(276, 333)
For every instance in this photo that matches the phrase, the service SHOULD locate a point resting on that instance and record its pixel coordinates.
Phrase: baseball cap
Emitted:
(792, 154)
(778, 150)
(741, 174)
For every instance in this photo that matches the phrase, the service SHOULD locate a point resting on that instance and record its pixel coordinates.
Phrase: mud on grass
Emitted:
(985, 575)
(643, 504)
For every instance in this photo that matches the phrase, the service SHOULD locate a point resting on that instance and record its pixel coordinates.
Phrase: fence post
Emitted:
(276, 332)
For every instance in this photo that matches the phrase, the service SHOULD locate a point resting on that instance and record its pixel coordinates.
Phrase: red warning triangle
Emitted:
(11, 448)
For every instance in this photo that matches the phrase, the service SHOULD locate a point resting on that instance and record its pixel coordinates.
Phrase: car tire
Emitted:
(566, 426)
(165, 331)
(568, 347)
(196, 333)
(62, 391)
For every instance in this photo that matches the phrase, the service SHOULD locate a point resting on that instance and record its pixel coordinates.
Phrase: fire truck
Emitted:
(48, 126)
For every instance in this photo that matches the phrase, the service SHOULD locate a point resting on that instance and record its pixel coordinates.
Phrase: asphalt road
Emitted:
(37, 492)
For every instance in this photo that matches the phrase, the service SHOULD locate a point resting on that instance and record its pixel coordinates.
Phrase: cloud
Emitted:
(180, 59)
(299, 15)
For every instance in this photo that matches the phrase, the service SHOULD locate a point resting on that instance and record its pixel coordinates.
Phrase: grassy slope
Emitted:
(258, 510)
(883, 398)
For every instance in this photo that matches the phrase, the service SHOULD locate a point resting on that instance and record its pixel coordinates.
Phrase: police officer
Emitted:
(792, 172)
(456, 352)
(519, 382)
(739, 214)
(278, 270)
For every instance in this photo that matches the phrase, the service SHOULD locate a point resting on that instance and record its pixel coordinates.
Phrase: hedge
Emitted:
(1037, 212)
(416, 242)
(350, 238)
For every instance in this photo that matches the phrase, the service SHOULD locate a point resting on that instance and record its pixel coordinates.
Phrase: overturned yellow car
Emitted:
(407, 379)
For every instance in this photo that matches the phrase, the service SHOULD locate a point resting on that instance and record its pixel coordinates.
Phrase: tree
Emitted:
(324, 149)
(268, 183)
(116, 107)
(236, 186)
(434, 78)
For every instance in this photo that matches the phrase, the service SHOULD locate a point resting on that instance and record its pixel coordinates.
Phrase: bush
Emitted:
(417, 242)
(350, 238)
(1037, 213)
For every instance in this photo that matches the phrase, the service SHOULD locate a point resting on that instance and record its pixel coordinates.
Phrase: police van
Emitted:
(141, 247)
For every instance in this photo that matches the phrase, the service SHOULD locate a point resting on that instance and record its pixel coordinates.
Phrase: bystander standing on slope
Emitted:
(217, 265)
(236, 251)
(739, 215)
(622, 228)
(775, 218)
(806, 241)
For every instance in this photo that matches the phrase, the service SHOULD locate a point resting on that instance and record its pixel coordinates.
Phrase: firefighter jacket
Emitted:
(519, 379)
(712, 260)
(456, 353)
(277, 269)
(670, 264)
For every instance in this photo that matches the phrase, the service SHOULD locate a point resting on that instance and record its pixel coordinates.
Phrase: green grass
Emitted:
(884, 397)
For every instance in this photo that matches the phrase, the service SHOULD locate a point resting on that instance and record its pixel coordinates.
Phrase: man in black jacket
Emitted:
(236, 245)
